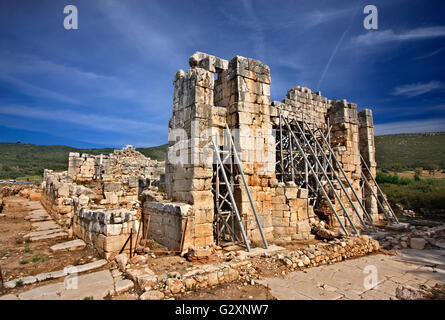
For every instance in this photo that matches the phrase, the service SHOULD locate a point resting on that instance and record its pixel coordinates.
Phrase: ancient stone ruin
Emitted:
(240, 169)
(97, 198)
(215, 95)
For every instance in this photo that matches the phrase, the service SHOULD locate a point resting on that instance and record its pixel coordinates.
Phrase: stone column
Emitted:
(189, 163)
(246, 90)
(345, 142)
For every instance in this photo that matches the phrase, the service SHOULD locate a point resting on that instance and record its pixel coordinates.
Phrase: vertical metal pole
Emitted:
(380, 190)
(281, 149)
(217, 213)
(237, 159)
(291, 157)
(300, 149)
(231, 195)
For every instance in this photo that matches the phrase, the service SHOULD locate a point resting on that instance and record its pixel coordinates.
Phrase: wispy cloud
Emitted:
(431, 54)
(412, 126)
(36, 91)
(334, 52)
(90, 120)
(152, 41)
(378, 37)
(417, 89)
(63, 77)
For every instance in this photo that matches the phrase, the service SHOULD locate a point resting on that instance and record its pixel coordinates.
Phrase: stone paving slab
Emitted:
(347, 280)
(56, 274)
(123, 285)
(48, 292)
(256, 252)
(33, 204)
(97, 285)
(45, 225)
(9, 297)
(72, 245)
(58, 235)
(41, 233)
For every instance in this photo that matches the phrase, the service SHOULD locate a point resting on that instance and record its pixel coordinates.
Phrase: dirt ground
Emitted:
(19, 258)
(233, 291)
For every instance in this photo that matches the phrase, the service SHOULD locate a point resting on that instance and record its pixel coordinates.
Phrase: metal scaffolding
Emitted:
(227, 216)
(305, 157)
(299, 142)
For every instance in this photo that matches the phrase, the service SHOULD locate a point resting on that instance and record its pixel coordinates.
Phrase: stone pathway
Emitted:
(352, 279)
(72, 245)
(56, 274)
(43, 225)
(96, 285)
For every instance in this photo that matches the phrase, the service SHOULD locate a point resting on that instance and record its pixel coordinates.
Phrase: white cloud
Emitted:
(67, 78)
(90, 120)
(36, 91)
(412, 126)
(378, 37)
(417, 89)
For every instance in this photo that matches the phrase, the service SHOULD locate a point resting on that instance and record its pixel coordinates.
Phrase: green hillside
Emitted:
(410, 150)
(23, 160)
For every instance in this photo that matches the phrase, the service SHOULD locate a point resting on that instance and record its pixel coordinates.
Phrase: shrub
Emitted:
(425, 193)
(431, 168)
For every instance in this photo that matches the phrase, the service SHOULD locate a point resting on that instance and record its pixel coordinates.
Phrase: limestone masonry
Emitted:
(185, 204)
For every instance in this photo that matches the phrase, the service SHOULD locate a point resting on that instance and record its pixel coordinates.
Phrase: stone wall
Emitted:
(107, 229)
(167, 223)
(121, 165)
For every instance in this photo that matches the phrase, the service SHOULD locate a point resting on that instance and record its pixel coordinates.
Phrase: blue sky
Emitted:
(110, 82)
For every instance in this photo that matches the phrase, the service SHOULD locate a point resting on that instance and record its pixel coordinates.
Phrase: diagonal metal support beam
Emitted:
(238, 162)
(327, 144)
(341, 183)
(300, 149)
(317, 162)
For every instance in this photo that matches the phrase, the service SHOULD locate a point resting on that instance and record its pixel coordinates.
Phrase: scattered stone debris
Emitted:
(406, 292)
(416, 237)
(319, 229)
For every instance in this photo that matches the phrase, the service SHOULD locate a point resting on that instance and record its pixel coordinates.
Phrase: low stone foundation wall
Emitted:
(62, 198)
(242, 268)
(106, 230)
(167, 223)
(328, 253)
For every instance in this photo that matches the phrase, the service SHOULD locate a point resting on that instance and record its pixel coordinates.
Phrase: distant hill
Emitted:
(23, 160)
(410, 150)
